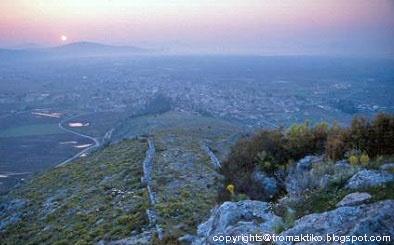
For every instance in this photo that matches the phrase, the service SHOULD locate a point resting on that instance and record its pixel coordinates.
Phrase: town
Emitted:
(250, 97)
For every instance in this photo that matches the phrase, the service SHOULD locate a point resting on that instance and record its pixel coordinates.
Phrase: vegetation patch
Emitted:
(271, 151)
(321, 201)
(96, 198)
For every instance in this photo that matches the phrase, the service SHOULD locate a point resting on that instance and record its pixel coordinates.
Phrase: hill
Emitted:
(90, 48)
(101, 198)
(77, 49)
(161, 185)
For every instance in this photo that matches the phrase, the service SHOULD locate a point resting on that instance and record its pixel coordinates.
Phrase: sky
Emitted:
(322, 27)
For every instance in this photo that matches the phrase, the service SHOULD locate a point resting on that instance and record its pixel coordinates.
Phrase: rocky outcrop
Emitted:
(268, 184)
(254, 217)
(373, 219)
(368, 178)
(344, 169)
(302, 177)
(310, 173)
(354, 214)
(354, 199)
(306, 162)
(236, 218)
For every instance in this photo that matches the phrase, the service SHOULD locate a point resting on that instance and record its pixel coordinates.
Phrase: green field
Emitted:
(31, 130)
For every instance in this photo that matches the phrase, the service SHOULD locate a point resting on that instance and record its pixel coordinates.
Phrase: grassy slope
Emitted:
(74, 203)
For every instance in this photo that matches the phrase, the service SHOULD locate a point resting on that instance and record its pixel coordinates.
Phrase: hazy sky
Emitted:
(348, 27)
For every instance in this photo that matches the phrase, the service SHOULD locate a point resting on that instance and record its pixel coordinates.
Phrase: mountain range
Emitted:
(76, 49)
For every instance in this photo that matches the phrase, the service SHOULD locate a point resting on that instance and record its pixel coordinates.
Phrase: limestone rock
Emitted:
(368, 178)
(236, 218)
(368, 219)
(354, 199)
(186, 239)
(306, 162)
(302, 178)
(268, 184)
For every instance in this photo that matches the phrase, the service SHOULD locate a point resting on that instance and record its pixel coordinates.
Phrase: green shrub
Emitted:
(124, 220)
(270, 151)
(353, 160)
(61, 242)
(374, 137)
(364, 160)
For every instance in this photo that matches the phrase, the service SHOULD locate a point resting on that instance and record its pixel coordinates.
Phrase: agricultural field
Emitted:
(30, 144)
(31, 130)
(98, 123)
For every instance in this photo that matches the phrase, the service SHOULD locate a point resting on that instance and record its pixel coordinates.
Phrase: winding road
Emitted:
(95, 140)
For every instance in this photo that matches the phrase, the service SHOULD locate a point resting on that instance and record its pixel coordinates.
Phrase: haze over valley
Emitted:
(252, 91)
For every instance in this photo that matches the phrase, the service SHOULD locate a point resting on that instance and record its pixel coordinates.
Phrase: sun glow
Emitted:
(63, 38)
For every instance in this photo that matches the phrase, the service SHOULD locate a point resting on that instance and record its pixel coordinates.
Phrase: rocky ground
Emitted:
(336, 199)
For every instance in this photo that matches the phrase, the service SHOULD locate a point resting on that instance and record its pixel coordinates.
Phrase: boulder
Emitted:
(325, 181)
(368, 219)
(236, 218)
(342, 165)
(387, 167)
(186, 239)
(306, 162)
(368, 178)
(268, 184)
(354, 199)
(302, 178)
(342, 169)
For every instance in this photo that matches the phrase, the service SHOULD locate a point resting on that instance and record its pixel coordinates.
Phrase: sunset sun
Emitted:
(63, 38)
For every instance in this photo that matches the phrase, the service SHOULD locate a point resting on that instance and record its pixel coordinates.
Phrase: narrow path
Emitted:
(147, 179)
(96, 141)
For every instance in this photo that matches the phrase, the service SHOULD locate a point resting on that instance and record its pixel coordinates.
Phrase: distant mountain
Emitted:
(27, 46)
(78, 49)
(8, 54)
(90, 48)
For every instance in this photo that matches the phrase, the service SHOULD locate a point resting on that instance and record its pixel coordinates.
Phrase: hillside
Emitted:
(175, 180)
(104, 197)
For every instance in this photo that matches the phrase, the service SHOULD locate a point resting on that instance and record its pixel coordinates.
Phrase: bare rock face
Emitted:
(369, 178)
(236, 218)
(354, 199)
(368, 219)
